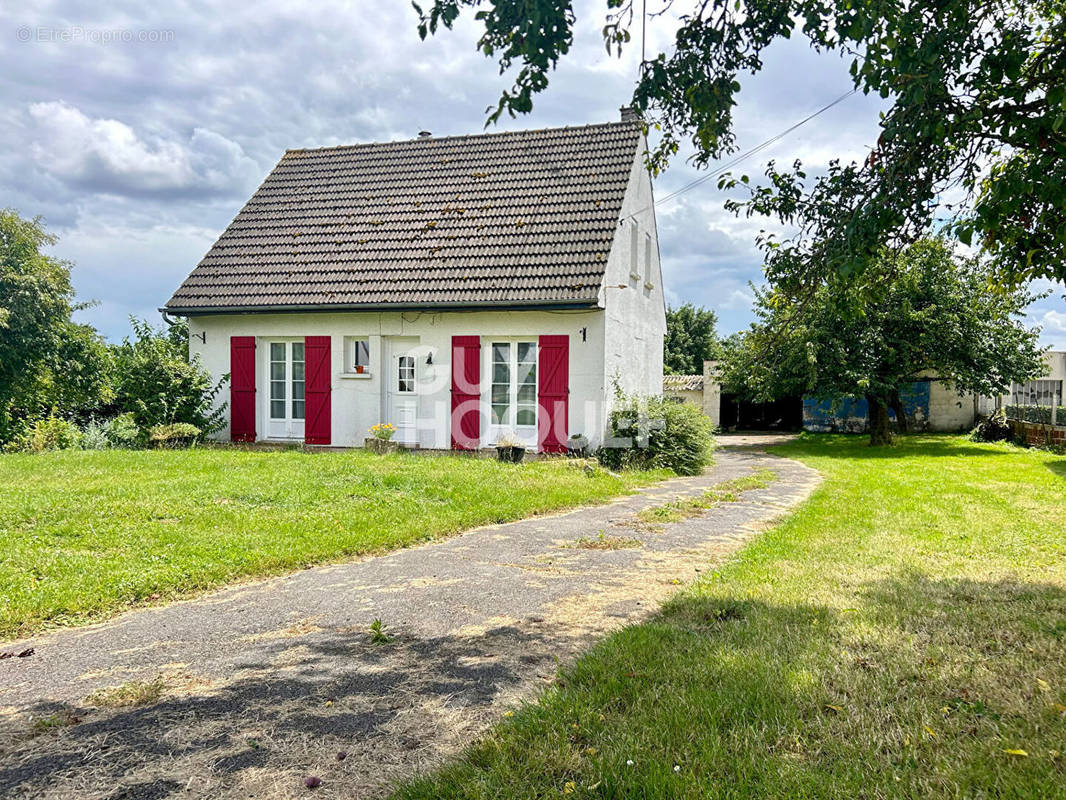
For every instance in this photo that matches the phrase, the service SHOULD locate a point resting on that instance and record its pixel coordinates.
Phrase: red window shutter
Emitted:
(318, 377)
(242, 388)
(553, 393)
(466, 392)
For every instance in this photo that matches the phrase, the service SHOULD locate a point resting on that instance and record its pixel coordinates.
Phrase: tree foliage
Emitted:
(55, 371)
(914, 313)
(690, 340)
(46, 359)
(158, 385)
(977, 104)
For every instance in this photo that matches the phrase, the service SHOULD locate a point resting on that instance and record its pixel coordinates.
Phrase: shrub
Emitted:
(992, 429)
(122, 431)
(94, 437)
(156, 383)
(50, 433)
(652, 433)
(174, 434)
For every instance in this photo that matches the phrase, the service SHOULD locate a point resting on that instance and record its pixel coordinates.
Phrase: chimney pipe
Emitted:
(629, 114)
(424, 134)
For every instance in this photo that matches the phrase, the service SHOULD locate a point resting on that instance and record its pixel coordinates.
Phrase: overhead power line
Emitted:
(748, 153)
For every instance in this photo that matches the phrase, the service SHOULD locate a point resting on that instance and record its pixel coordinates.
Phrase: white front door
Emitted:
(403, 390)
(285, 403)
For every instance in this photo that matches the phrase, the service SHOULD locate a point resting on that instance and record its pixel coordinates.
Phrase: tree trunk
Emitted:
(897, 406)
(879, 432)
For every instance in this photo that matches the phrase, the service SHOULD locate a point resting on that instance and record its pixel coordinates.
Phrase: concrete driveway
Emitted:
(264, 683)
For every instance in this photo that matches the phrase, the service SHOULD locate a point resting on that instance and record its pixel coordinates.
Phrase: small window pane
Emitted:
(297, 409)
(501, 373)
(277, 409)
(277, 351)
(501, 352)
(297, 351)
(297, 390)
(527, 352)
(527, 374)
(277, 370)
(277, 390)
(297, 370)
(499, 415)
(527, 394)
(361, 352)
(501, 393)
(527, 416)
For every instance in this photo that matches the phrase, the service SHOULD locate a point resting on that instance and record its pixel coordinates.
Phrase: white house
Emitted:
(458, 287)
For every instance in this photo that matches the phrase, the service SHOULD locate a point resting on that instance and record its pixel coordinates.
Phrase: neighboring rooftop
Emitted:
(524, 217)
(682, 383)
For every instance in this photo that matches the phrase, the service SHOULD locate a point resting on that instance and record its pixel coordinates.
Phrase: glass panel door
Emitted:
(297, 380)
(527, 384)
(501, 383)
(513, 390)
(278, 379)
(286, 406)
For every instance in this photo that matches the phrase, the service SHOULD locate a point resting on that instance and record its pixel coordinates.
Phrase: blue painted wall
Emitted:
(852, 414)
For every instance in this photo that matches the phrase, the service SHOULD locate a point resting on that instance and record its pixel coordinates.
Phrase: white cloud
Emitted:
(108, 156)
(1054, 322)
(153, 148)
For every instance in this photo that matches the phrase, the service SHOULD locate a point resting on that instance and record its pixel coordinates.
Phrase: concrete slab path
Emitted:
(264, 683)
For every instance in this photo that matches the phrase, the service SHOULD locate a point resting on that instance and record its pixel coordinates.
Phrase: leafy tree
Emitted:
(76, 380)
(36, 301)
(690, 340)
(915, 312)
(977, 104)
(733, 367)
(156, 382)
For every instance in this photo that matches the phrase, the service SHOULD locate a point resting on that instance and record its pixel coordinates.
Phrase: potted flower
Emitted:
(510, 448)
(578, 446)
(380, 440)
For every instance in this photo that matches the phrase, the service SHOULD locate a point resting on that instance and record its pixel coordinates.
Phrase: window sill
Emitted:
(357, 375)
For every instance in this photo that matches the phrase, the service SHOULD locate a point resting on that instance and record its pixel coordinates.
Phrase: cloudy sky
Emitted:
(137, 132)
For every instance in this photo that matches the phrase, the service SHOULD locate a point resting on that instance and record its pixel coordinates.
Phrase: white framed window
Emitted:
(648, 282)
(513, 386)
(405, 374)
(357, 355)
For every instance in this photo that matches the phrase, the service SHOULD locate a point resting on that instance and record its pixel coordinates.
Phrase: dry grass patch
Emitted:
(54, 722)
(727, 492)
(129, 694)
(604, 542)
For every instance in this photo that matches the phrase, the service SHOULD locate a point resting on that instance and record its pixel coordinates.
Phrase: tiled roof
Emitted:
(504, 218)
(682, 383)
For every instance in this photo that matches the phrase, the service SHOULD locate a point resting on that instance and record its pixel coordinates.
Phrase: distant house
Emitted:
(461, 288)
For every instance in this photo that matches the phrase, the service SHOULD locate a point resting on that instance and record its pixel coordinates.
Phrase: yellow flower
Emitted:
(569, 787)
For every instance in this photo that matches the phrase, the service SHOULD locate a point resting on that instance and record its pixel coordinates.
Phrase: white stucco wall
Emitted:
(359, 402)
(635, 324)
(949, 410)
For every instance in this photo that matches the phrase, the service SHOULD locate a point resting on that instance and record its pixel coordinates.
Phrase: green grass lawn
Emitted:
(902, 635)
(84, 534)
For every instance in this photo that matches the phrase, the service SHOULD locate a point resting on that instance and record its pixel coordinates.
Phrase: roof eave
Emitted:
(590, 303)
